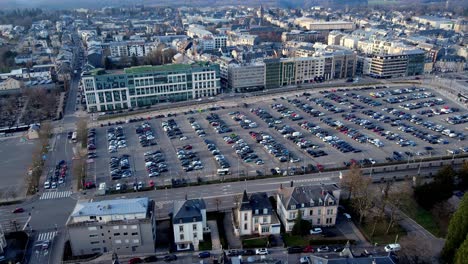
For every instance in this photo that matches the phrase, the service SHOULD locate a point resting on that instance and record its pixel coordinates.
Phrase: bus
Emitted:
(74, 137)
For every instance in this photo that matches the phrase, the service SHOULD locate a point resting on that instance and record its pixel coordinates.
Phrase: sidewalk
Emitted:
(233, 241)
(215, 242)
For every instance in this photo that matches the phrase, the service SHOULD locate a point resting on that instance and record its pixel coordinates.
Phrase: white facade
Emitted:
(188, 233)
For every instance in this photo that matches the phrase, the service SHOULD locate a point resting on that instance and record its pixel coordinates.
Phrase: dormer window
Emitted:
(302, 205)
(330, 202)
(265, 211)
(256, 211)
(293, 207)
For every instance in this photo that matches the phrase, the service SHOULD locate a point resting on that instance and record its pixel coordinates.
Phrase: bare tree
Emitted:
(82, 132)
(362, 201)
(351, 180)
(396, 199)
(218, 202)
(237, 200)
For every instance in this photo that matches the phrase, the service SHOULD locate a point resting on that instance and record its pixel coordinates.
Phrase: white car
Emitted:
(315, 231)
(261, 251)
(348, 216)
(183, 138)
(304, 260)
(392, 247)
(118, 187)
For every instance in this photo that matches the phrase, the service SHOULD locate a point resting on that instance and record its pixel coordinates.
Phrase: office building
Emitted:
(317, 204)
(388, 66)
(123, 226)
(246, 77)
(149, 85)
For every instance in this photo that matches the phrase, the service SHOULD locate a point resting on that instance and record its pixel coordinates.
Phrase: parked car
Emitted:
(304, 260)
(323, 249)
(150, 259)
(392, 247)
(18, 210)
(204, 254)
(308, 249)
(316, 231)
(169, 258)
(294, 249)
(261, 251)
(248, 252)
(135, 261)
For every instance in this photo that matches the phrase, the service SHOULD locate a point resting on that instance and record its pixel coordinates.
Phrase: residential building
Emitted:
(123, 226)
(346, 256)
(317, 204)
(189, 223)
(148, 85)
(11, 84)
(255, 216)
(246, 77)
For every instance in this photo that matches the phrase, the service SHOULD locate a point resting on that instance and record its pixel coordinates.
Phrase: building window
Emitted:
(195, 235)
(135, 234)
(311, 212)
(245, 226)
(319, 212)
(194, 227)
(265, 211)
(245, 217)
(118, 241)
(92, 228)
(134, 227)
(256, 211)
(293, 207)
(256, 220)
(116, 234)
(94, 242)
(318, 221)
(135, 241)
(93, 235)
(265, 229)
(115, 227)
(182, 237)
(181, 228)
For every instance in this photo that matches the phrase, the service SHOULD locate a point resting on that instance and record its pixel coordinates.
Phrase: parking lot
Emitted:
(313, 131)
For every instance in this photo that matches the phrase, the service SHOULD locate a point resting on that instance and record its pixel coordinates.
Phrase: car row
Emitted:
(220, 159)
(155, 163)
(244, 151)
(218, 124)
(91, 139)
(145, 135)
(116, 139)
(119, 167)
(273, 147)
(171, 128)
(198, 129)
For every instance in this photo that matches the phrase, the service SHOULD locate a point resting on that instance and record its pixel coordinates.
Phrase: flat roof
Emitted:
(111, 207)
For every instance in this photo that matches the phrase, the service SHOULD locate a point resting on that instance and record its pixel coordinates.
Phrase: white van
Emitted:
(392, 247)
(46, 185)
(222, 172)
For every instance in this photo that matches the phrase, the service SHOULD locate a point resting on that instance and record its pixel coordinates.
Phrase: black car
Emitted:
(150, 259)
(170, 258)
(294, 249)
(248, 252)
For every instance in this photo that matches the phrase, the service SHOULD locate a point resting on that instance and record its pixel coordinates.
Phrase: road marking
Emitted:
(46, 236)
(55, 195)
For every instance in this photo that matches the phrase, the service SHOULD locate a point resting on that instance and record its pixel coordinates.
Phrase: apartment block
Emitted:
(149, 85)
(317, 204)
(123, 226)
(246, 77)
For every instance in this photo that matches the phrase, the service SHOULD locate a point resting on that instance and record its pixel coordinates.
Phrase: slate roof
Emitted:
(188, 211)
(328, 259)
(256, 201)
(310, 196)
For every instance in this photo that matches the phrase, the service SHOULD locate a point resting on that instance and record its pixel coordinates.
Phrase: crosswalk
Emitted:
(55, 195)
(46, 236)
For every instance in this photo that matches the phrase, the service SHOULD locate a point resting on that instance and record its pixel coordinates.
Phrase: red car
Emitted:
(151, 184)
(135, 261)
(90, 185)
(187, 147)
(18, 210)
(320, 167)
(308, 249)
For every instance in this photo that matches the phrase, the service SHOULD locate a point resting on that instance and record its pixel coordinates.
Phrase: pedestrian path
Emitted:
(46, 236)
(55, 195)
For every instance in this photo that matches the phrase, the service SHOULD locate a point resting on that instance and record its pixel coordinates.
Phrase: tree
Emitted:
(440, 189)
(301, 227)
(457, 231)
(351, 179)
(463, 177)
(134, 61)
(362, 202)
(82, 132)
(461, 257)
